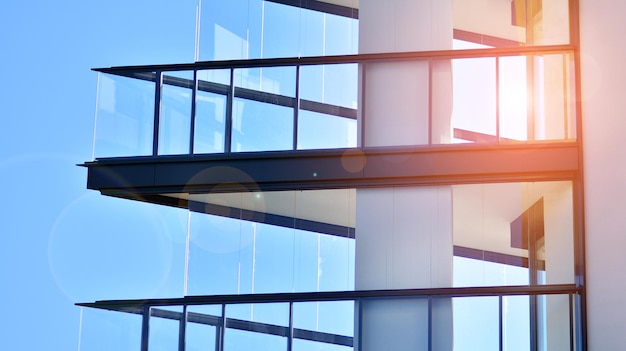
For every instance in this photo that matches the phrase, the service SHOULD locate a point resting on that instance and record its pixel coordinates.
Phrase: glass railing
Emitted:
(493, 96)
(482, 318)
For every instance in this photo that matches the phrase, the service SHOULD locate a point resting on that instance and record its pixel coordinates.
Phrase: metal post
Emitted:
(230, 98)
(363, 102)
(571, 322)
(500, 324)
(222, 329)
(158, 82)
(498, 99)
(430, 323)
(145, 328)
(290, 336)
(192, 125)
(182, 329)
(296, 110)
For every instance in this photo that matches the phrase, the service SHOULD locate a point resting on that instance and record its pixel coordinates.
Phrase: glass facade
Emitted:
(480, 261)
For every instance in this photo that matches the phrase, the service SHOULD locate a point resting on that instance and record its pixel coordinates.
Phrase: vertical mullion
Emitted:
(500, 323)
(430, 323)
(498, 99)
(222, 329)
(296, 109)
(357, 344)
(158, 82)
(230, 98)
(571, 322)
(145, 328)
(182, 329)
(192, 127)
(363, 101)
(290, 335)
(430, 102)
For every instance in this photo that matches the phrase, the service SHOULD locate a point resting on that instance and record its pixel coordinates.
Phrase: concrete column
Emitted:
(602, 28)
(404, 234)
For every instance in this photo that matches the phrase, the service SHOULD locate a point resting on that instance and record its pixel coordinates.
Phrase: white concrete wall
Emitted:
(404, 235)
(404, 240)
(603, 78)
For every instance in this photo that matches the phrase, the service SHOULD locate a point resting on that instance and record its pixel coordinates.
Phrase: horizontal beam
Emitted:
(339, 59)
(144, 176)
(126, 305)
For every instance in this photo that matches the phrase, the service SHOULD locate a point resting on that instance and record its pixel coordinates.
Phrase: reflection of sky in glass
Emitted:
(230, 256)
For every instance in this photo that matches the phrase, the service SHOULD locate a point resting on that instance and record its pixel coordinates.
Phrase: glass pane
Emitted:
(516, 323)
(307, 345)
(339, 132)
(124, 116)
(513, 100)
(553, 322)
(265, 328)
(474, 100)
(273, 80)
(175, 114)
(217, 246)
(513, 234)
(202, 327)
(341, 34)
(336, 263)
(274, 257)
(513, 23)
(281, 37)
(553, 117)
(164, 328)
(476, 323)
(261, 126)
(211, 106)
(330, 85)
(226, 34)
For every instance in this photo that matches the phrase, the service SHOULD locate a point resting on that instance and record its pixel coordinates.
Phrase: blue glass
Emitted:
(339, 132)
(230, 29)
(124, 116)
(274, 80)
(330, 84)
(274, 258)
(211, 107)
(280, 30)
(200, 334)
(209, 126)
(215, 250)
(476, 323)
(163, 331)
(259, 319)
(307, 345)
(342, 35)
(175, 114)
(261, 126)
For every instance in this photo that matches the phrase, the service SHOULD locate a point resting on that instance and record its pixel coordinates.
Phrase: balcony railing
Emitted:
(226, 322)
(501, 95)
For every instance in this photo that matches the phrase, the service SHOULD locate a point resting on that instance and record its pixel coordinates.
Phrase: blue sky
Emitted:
(57, 236)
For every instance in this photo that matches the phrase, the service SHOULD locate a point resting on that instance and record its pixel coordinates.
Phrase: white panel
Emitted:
(374, 224)
(396, 104)
(603, 75)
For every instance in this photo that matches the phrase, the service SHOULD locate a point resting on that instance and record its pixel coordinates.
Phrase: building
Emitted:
(372, 175)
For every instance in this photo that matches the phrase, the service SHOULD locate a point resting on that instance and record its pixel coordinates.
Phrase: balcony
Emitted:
(310, 321)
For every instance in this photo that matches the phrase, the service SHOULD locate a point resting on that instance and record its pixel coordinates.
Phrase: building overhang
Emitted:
(152, 176)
